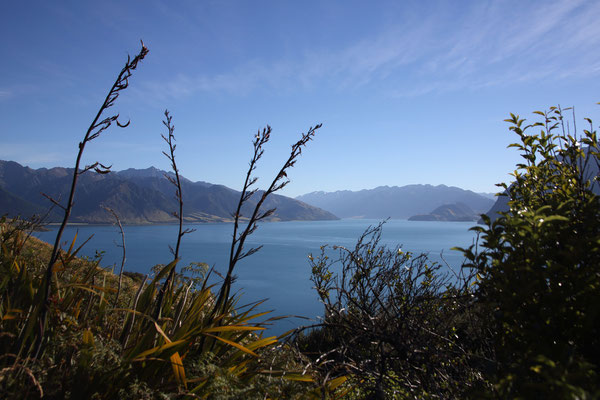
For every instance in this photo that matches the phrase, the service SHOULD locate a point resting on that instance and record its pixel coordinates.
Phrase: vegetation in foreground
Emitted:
(72, 330)
(519, 320)
(538, 265)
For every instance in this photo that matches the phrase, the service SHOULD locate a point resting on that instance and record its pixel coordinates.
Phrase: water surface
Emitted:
(280, 271)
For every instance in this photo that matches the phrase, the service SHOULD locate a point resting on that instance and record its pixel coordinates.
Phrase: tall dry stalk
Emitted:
(97, 126)
(170, 140)
(237, 252)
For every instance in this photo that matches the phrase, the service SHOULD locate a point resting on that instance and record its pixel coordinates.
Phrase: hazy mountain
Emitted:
(137, 196)
(394, 202)
(448, 212)
(491, 196)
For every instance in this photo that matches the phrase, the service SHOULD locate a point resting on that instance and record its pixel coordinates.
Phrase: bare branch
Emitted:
(93, 132)
(237, 244)
(55, 202)
(170, 140)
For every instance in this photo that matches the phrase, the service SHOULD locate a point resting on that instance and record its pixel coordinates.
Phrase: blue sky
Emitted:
(408, 91)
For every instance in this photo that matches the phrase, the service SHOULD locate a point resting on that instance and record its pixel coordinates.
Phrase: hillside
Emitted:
(448, 212)
(137, 196)
(395, 202)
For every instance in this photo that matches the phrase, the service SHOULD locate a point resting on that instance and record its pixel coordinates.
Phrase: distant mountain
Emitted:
(448, 212)
(394, 202)
(14, 205)
(137, 196)
(488, 195)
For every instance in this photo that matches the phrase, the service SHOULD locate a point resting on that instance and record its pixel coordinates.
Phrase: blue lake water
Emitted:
(280, 271)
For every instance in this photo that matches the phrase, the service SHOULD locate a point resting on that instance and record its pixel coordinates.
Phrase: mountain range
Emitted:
(138, 196)
(395, 202)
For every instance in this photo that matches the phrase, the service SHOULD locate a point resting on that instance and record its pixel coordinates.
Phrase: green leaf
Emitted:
(298, 377)
(234, 344)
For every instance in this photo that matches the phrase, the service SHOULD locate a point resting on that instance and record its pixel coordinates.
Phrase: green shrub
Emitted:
(538, 266)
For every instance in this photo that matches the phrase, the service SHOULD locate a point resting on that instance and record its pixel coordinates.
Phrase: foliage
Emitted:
(96, 350)
(70, 329)
(521, 319)
(393, 322)
(538, 265)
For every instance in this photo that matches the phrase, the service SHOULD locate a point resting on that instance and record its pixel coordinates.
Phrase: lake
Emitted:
(279, 271)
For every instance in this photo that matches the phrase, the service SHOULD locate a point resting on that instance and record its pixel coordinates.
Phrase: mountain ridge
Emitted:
(138, 196)
(399, 202)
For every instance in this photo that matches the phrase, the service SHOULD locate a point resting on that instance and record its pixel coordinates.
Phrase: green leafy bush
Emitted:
(538, 265)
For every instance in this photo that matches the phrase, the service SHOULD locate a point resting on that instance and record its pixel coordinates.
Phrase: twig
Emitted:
(279, 182)
(54, 202)
(170, 140)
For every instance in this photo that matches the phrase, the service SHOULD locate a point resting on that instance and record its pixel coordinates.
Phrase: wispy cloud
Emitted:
(30, 154)
(42, 159)
(5, 94)
(19, 90)
(491, 44)
(526, 34)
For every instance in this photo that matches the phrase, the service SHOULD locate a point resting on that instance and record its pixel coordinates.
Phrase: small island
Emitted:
(448, 212)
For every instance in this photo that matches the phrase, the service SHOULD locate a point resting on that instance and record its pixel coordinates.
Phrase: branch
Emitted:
(93, 132)
(170, 140)
(237, 245)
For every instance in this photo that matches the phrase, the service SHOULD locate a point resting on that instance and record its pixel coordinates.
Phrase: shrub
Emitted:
(394, 322)
(538, 265)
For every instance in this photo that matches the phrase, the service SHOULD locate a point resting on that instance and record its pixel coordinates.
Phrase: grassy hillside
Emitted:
(103, 347)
